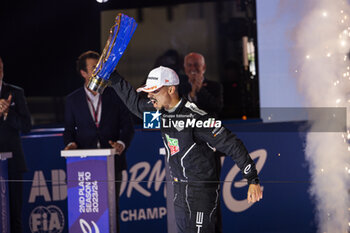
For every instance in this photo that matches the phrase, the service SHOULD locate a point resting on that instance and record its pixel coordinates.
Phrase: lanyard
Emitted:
(95, 111)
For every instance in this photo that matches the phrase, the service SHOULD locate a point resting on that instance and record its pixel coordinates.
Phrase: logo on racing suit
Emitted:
(247, 169)
(173, 144)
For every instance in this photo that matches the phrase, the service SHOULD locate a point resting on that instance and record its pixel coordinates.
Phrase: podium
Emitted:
(4, 193)
(91, 190)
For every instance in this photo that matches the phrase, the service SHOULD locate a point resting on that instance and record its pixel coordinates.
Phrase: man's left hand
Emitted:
(119, 148)
(254, 193)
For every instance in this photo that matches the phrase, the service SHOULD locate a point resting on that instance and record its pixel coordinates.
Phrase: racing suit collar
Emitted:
(174, 108)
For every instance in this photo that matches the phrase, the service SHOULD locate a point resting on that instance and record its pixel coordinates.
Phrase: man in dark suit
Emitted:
(207, 94)
(14, 118)
(97, 121)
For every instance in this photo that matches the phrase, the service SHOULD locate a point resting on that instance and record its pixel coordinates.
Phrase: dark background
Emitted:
(41, 40)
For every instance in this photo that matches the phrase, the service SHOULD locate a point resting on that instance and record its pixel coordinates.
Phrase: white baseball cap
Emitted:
(158, 77)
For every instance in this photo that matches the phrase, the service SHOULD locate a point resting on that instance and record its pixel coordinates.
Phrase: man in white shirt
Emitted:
(94, 120)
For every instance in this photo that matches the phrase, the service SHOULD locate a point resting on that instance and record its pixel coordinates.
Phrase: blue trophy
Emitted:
(119, 37)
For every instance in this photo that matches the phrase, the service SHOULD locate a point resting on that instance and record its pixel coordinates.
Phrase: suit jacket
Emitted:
(18, 120)
(115, 123)
(209, 97)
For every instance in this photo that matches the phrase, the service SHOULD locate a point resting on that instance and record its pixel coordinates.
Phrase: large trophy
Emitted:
(119, 37)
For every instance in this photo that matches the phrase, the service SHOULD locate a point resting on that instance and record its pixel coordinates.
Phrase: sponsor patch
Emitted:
(173, 144)
(247, 169)
(217, 131)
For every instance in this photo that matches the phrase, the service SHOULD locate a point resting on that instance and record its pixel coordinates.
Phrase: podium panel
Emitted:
(277, 147)
(4, 197)
(91, 190)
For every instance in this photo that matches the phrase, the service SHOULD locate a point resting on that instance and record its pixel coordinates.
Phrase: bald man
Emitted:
(207, 94)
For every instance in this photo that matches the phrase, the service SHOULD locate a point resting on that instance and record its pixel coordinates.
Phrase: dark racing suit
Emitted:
(190, 156)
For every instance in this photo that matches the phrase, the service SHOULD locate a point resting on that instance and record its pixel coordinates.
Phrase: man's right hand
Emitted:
(71, 146)
(5, 105)
(196, 86)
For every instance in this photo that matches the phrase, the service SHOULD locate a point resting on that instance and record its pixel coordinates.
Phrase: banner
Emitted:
(88, 194)
(279, 155)
(4, 193)
(45, 187)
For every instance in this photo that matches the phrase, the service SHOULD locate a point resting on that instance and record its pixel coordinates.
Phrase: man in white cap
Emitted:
(161, 97)
(191, 136)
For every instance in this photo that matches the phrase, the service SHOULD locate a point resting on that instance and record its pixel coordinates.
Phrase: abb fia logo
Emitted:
(47, 219)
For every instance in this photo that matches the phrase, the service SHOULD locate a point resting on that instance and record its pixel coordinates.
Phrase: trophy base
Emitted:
(97, 84)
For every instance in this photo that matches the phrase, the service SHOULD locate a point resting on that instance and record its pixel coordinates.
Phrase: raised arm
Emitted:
(133, 101)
